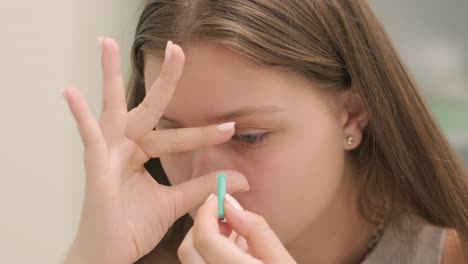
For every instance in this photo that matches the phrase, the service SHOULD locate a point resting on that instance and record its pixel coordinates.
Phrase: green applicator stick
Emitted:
(221, 193)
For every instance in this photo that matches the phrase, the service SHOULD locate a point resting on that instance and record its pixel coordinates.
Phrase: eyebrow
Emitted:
(240, 112)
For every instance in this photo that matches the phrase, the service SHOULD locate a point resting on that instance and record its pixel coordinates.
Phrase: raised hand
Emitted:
(125, 212)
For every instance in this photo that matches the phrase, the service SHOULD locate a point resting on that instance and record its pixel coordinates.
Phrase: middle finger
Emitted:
(146, 115)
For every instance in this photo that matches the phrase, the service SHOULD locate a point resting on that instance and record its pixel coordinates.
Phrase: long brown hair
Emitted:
(406, 164)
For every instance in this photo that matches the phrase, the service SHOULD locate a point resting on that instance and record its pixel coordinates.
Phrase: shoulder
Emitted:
(452, 250)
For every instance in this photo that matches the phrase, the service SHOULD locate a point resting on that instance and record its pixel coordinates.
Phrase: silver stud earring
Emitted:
(350, 140)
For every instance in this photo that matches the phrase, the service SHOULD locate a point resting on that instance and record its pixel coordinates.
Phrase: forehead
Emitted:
(217, 79)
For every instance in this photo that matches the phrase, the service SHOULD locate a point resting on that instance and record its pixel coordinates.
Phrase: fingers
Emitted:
(159, 142)
(144, 118)
(191, 194)
(233, 236)
(262, 242)
(187, 252)
(113, 93)
(226, 230)
(241, 243)
(213, 246)
(189, 255)
(114, 109)
(95, 150)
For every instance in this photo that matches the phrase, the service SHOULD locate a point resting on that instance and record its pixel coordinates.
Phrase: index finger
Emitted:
(146, 115)
(210, 243)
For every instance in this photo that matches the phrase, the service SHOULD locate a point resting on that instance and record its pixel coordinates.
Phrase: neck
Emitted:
(340, 235)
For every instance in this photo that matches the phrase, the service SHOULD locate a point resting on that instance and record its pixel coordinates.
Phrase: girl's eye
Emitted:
(251, 139)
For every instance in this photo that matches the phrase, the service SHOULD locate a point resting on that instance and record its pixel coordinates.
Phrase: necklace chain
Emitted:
(374, 240)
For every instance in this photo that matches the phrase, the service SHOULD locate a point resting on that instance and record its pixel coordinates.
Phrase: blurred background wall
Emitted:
(432, 38)
(48, 45)
(44, 47)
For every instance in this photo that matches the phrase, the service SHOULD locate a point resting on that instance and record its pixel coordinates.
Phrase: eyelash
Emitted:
(261, 139)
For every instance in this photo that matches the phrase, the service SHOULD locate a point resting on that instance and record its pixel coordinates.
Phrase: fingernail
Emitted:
(248, 188)
(209, 197)
(226, 126)
(167, 56)
(233, 202)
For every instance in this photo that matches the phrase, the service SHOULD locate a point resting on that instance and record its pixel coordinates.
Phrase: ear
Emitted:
(354, 119)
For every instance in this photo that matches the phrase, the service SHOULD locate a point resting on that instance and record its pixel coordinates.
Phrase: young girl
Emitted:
(330, 153)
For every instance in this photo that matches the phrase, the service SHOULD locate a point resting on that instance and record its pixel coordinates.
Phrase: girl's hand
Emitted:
(125, 211)
(251, 242)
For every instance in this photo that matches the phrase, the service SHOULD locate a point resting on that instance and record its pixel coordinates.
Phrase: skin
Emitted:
(453, 250)
(300, 178)
(126, 213)
(210, 241)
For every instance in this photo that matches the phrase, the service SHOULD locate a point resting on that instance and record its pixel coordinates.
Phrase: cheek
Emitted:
(293, 178)
(296, 179)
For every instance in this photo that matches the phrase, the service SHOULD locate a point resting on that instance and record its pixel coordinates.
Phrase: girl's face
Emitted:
(288, 140)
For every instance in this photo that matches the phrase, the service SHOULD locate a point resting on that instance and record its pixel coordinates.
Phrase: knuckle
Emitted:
(177, 138)
(199, 136)
(183, 139)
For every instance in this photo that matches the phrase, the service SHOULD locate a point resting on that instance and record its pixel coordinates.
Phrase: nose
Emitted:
(208, 159)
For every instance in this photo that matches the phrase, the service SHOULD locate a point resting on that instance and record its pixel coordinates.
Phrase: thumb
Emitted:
(262, 241)
(191, 194)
